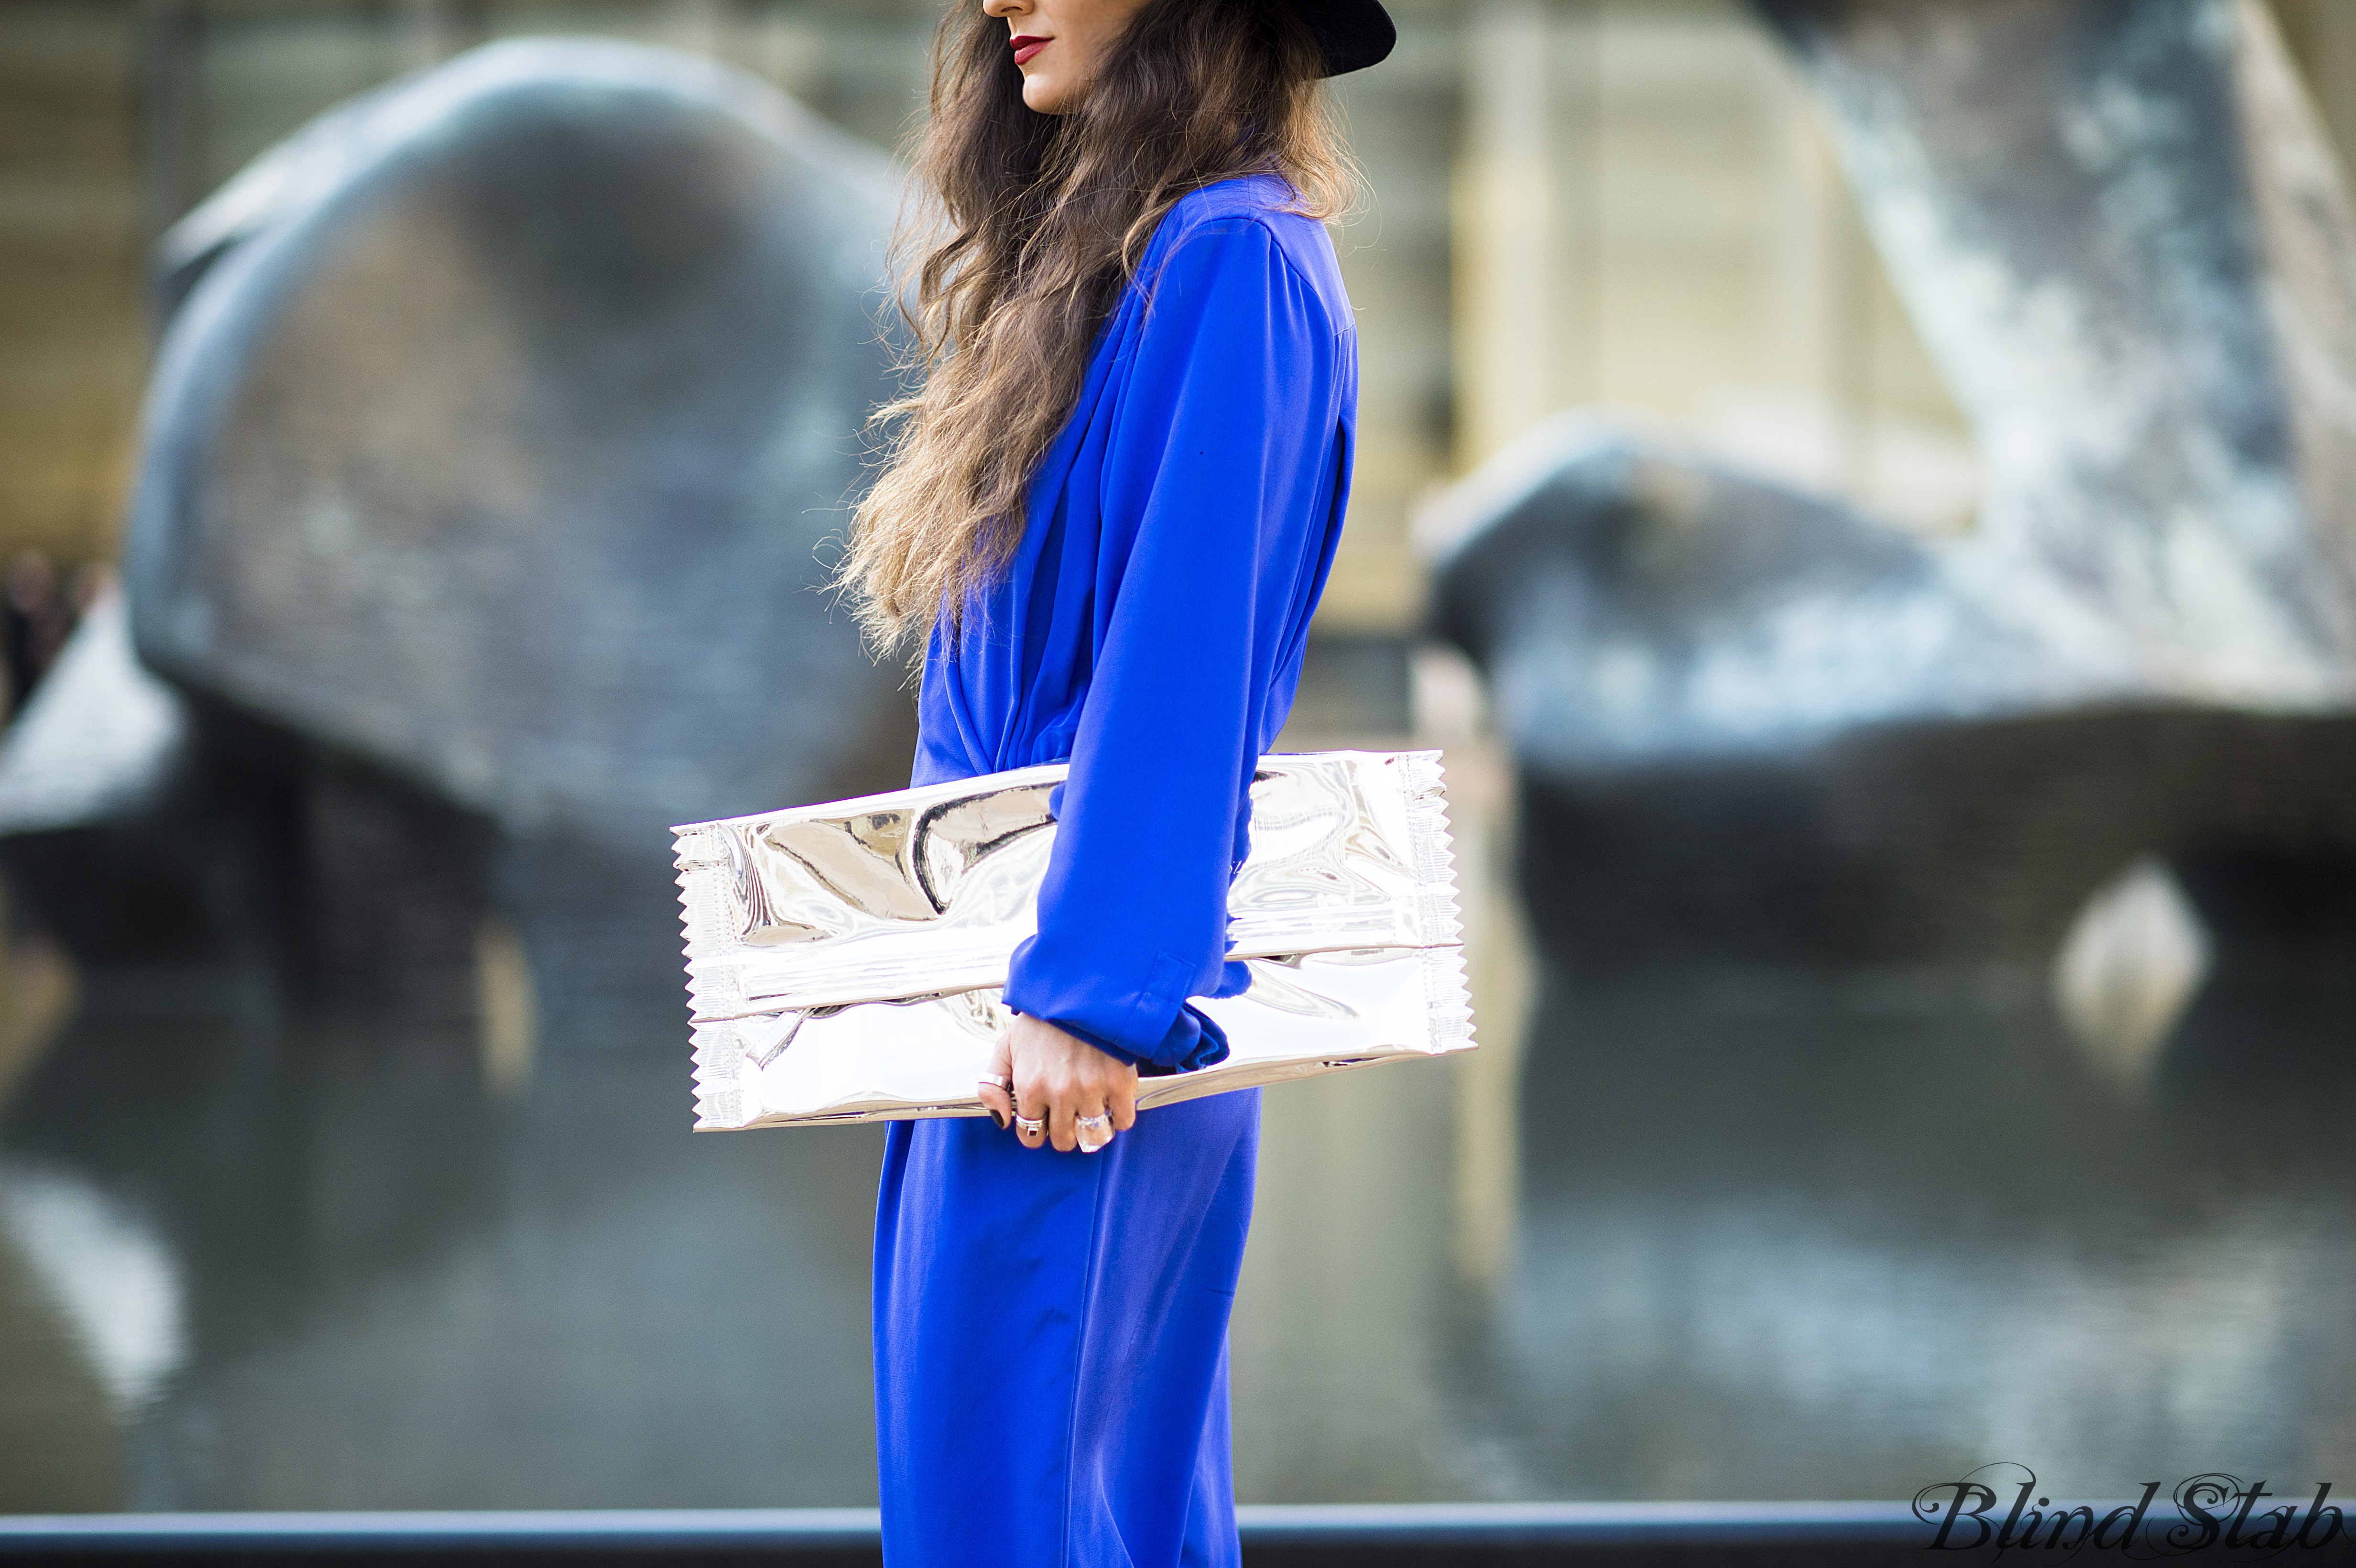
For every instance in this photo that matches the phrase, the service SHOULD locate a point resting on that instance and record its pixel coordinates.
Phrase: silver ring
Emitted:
(1024, 1124)
(1099, 1125)
(996, 1080)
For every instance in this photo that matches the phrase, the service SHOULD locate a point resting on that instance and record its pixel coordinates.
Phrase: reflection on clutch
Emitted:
(844, 959)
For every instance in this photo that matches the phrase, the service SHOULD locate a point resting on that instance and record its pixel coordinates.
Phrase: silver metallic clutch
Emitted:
(844, 960)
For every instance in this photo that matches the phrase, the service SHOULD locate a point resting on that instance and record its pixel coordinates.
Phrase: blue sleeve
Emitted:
(1222, 474)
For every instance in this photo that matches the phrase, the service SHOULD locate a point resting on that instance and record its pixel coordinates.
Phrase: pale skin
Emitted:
(1058, 45)
(1060, 1077)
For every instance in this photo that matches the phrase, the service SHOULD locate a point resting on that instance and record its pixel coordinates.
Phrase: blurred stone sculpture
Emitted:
(490, 455)
(1758, 725)
(97, 739)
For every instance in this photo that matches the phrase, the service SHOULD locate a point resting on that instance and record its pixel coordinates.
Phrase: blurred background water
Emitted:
(1697, 1223)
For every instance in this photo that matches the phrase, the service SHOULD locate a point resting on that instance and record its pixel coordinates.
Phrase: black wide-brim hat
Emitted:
(1351, 34)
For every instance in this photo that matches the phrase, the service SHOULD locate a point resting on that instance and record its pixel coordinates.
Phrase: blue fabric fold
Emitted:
(1151, 626)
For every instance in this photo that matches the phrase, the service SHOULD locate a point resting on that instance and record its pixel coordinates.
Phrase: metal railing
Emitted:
(1588, 1534)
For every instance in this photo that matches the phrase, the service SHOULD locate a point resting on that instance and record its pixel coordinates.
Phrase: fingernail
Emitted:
(1000, 1120)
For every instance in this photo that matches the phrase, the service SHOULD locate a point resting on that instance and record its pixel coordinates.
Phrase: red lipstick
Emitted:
(1024, 46)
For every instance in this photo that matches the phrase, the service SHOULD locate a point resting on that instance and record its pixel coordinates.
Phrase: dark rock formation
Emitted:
(503, 459)
(1756, 725)
(487, 465)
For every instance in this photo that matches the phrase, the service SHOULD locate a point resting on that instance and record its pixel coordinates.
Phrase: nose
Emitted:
(1005, 7)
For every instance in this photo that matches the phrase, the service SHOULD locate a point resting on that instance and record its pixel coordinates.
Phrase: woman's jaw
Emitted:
(1058, 45)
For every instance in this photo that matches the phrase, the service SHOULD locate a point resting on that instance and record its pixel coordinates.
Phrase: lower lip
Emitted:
(1022, 56)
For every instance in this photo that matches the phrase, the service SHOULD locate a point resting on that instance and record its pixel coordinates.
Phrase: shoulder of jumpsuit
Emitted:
(1239, 206)
(1269, 202)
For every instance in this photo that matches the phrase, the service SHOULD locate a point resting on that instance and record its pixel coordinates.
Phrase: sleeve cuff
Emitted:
(1152, 1029)
(1194, 1040)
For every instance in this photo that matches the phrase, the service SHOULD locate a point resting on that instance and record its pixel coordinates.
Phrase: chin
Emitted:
(1041, 97)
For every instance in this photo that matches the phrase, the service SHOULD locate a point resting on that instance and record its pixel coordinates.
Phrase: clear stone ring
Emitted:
(1094, 1132)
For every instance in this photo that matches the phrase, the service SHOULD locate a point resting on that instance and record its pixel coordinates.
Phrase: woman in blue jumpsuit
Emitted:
(1051, 1327)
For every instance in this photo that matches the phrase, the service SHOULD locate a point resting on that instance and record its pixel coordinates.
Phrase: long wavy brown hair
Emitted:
(1022, 231)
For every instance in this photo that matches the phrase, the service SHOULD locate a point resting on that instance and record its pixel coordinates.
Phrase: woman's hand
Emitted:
(1058, 1078)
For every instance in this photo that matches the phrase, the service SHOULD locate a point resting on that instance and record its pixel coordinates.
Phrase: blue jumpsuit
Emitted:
(1051, 1383)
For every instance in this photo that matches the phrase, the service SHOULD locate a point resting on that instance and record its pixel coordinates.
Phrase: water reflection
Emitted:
(99, 1261)
(1786, 1239)
(1746, 1237)
(404, 1288)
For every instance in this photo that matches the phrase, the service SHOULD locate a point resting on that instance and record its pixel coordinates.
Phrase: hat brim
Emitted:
(1351, 34)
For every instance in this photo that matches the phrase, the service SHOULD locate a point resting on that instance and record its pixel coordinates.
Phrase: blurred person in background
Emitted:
(38, 613)
(1110, 509)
